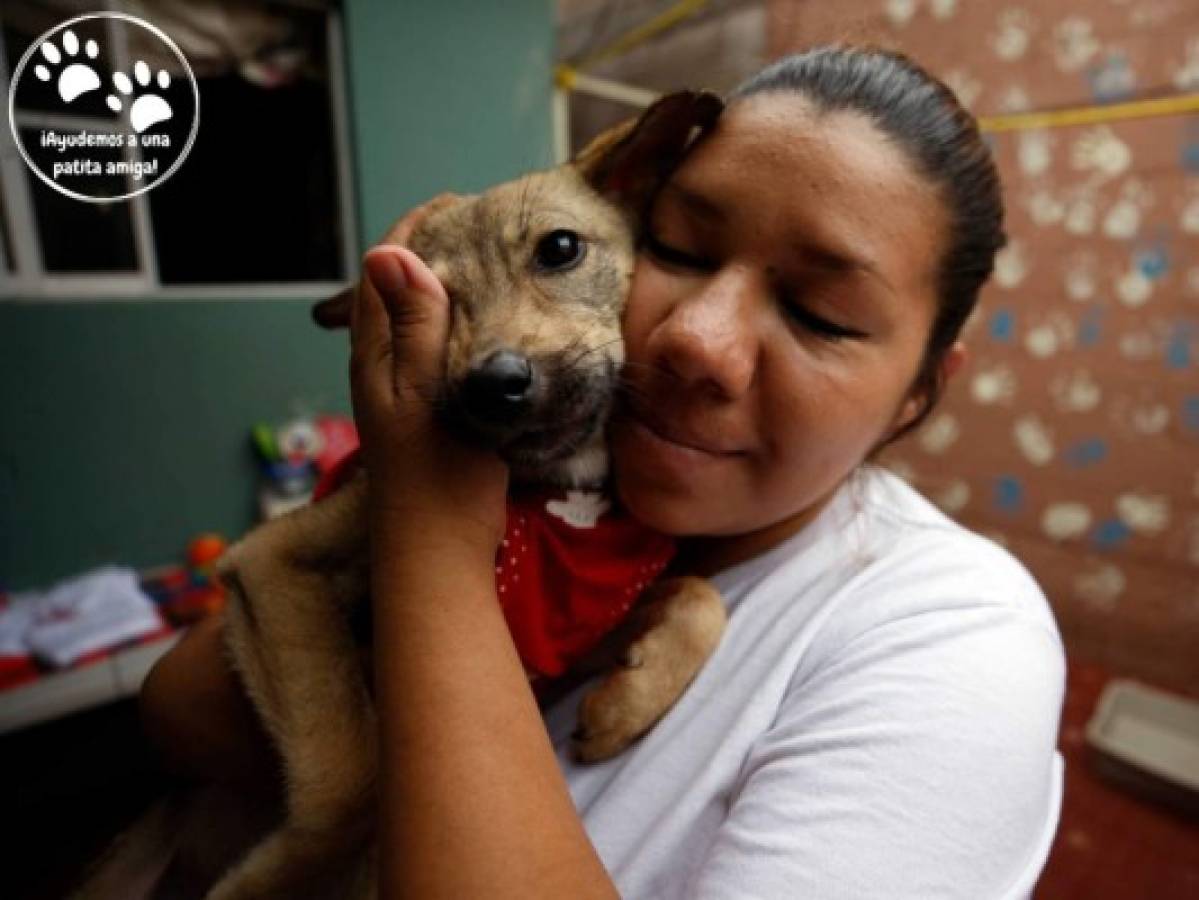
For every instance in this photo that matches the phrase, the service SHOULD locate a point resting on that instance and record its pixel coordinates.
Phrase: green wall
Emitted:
(447, 96)
(123, 425)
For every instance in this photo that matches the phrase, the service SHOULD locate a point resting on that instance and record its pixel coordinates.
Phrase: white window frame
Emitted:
(30, 281)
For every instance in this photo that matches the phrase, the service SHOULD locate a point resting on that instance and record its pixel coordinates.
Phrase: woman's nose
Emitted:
(710, 336)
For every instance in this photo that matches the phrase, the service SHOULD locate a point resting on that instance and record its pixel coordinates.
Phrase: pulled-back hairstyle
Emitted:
(924, 119)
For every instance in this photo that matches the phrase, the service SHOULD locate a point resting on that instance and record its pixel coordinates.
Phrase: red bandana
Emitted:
(570, 566)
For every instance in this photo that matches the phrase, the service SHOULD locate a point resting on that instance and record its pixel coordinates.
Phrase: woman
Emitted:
(880, 717)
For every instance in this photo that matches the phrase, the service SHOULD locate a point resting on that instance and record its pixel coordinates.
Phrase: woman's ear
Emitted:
(955, 358)
(951, 363)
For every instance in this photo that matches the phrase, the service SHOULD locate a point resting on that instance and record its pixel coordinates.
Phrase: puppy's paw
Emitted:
(618, 711)
(685, 618)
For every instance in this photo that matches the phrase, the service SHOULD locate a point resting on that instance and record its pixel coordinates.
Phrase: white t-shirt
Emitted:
(879, 720)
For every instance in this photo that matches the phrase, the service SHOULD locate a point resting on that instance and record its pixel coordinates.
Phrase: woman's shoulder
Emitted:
(882, 562)
(877, 531)
(909, 541)
(919, 579)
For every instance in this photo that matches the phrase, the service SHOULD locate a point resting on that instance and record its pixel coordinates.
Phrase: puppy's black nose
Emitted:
(498, 389)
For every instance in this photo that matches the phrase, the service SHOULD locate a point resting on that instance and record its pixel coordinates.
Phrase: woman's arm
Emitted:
(472, 802)
(194, 707)
(196, 713)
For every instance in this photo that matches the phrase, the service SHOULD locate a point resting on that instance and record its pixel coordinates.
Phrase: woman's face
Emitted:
(778, 314)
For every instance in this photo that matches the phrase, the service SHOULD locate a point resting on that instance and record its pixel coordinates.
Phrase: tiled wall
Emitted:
(1073, 436)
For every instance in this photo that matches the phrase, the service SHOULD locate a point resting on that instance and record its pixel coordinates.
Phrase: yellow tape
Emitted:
(1092, 115)
(565, 76)
(636, 36)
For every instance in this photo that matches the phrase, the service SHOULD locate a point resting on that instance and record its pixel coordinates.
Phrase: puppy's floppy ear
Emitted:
(335, 311)
(629, 161)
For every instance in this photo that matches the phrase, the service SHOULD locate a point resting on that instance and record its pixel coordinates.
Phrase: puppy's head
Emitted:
(537, 271)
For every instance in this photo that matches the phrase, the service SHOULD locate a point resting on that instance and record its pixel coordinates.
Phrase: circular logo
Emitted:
(103, 107)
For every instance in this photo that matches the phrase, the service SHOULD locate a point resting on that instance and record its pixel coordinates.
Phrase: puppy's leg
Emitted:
(291, 589)
(679, 623)
(180, 846)
(293, 863)
(134, 863)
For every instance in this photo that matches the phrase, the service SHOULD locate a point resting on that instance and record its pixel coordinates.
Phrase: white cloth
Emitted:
(94, 611)
(879, 720)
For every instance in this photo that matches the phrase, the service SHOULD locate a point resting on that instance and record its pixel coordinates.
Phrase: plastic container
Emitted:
(1147, 741)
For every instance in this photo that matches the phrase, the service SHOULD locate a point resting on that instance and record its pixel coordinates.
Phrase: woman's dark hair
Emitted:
(923, 117)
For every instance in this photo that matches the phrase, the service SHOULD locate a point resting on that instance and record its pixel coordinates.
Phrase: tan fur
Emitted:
(294, 580)
(537, 317)
(681, 621)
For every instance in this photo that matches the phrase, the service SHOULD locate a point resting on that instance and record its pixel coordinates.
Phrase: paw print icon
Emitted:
(147, 109)
(103, 106)
(74, 76)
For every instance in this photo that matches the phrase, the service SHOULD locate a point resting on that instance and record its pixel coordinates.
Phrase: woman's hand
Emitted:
(462, 748)
(400, 325)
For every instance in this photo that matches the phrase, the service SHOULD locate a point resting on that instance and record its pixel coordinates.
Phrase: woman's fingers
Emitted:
(385, 273)
(419, 310)
(371, 351)
(338, 311)
(399, 328)
(399, 233)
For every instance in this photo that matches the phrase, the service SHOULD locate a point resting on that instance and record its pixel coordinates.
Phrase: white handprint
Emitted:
(1076, 392)
(1034, 439)
(994, 385)
(1101, 587)
(1063, 521)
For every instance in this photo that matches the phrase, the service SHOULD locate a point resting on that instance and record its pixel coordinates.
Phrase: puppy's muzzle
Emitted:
(498, 391)
(532, 410)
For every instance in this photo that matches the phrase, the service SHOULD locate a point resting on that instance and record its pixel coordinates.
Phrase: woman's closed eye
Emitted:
(796, 311)
(793, 308)
(674, 256)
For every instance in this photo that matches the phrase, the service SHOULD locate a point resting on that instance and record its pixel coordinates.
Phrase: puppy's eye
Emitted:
(559, 251)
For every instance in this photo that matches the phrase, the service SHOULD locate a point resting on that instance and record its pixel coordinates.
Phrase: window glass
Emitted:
(256, 201)
(76, 236)
(6, 232)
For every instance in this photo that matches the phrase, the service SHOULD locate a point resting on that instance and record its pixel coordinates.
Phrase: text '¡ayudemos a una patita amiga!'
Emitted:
(104, 140)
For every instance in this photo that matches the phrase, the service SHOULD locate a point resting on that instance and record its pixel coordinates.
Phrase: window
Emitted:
(263, 204)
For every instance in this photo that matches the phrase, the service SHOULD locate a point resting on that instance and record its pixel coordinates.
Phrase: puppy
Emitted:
(537, 271)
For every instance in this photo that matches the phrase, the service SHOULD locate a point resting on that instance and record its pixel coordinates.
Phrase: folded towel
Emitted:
(81, 615)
